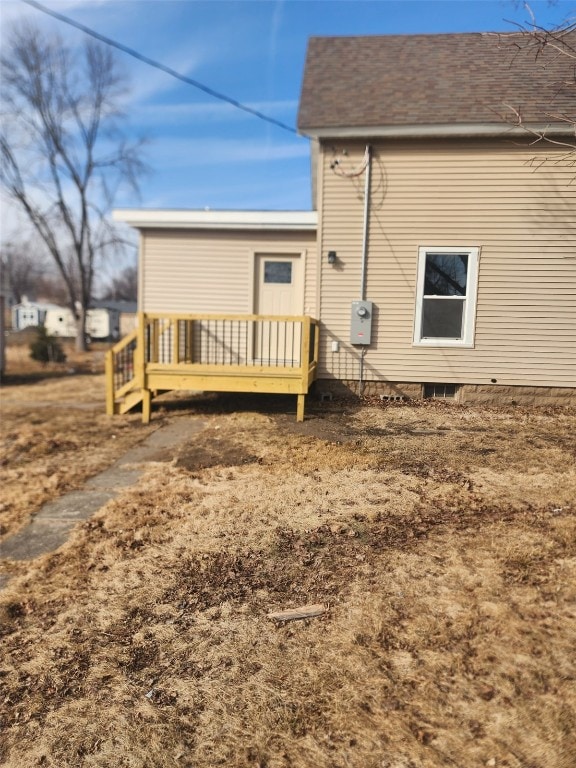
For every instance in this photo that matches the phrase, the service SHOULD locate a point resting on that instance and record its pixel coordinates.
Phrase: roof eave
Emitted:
(299, 221)
(438, 131)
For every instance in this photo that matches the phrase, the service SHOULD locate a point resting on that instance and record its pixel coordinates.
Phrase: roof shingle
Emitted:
(426, 80)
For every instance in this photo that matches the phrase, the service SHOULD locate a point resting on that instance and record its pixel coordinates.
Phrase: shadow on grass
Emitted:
(33, 377)
(215, 403)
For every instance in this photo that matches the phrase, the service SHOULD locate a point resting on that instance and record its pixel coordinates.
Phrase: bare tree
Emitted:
(551, 46)
(123, 286)
(63, 155)
(23, 269)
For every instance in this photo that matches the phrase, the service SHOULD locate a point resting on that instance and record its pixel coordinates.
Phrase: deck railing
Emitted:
(224, 340)
(215, 353)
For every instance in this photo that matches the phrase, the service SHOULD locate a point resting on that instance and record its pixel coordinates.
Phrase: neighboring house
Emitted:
(30, 314)
(102, 324)
(442, 260)
(127, 312)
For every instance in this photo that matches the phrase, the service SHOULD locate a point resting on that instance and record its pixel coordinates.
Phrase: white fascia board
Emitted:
(141, 218)
(450, 130)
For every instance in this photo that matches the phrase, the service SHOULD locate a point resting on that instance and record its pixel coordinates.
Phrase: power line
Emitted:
(157, 65)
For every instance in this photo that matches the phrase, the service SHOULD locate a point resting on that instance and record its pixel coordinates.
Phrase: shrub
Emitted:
(46, 348)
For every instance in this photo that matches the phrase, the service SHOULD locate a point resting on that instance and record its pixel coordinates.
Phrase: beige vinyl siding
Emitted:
(211, 271)
(496, 195)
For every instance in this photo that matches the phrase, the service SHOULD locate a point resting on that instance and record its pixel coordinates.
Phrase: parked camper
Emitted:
(60, 322)
(101, 324)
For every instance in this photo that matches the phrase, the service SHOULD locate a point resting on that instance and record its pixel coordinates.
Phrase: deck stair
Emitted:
(123, 379)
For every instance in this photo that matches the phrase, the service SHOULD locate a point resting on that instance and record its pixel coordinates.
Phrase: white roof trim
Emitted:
(141, 218)
(440, 130)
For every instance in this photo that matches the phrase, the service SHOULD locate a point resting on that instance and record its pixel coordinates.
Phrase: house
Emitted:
(225, 300)
(457, 226)
(127, 313)
(219, 261)
(440, 258)
(30, 314)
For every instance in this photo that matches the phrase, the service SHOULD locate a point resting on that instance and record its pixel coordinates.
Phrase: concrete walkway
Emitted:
(51, 526)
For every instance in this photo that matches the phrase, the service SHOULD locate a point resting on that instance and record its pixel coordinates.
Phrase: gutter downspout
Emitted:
(365, 252)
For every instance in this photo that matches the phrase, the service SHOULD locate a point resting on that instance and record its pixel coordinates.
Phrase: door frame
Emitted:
(280, 252)
(298, 256)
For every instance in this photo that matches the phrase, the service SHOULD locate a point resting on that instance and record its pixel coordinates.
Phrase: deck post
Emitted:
(140, 365)
(304, 365)
(146, 406)
(305, 352)
(188, 335)
(109, 368)
(175, 341)
(300, 408)
(140, 351)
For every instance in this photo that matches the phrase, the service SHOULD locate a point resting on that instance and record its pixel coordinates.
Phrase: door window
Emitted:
(278, 272)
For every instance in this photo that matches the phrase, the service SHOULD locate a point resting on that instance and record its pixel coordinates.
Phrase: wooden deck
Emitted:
(211, 353)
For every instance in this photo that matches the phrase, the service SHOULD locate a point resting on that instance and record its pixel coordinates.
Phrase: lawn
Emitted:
(440, 539)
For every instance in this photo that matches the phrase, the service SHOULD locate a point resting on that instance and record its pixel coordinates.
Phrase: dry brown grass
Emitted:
(54, 433)
(442, 540)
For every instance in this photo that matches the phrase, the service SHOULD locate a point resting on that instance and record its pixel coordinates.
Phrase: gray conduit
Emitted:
(365, 252)
(366, 221)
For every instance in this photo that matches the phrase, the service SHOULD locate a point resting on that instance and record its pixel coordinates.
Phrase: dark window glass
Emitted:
(277, 271)
(446, 274)
(442, 318)
(440, 391)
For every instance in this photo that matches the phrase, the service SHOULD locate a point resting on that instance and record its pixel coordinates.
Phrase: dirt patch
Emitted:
(442, 541)
(212, 450)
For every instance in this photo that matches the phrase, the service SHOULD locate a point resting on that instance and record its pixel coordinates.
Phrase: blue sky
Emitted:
(205, 154)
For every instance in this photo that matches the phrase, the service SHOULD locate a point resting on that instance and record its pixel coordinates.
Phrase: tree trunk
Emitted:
(81, 330)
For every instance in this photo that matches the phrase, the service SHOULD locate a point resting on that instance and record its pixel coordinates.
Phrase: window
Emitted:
(278, 272)
(440, 391)
(446, 297)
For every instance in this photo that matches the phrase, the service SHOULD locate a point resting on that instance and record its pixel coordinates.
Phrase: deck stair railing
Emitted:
(123, 379)
(212, 352)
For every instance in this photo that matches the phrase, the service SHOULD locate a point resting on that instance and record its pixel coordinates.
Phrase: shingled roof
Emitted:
(455, 82)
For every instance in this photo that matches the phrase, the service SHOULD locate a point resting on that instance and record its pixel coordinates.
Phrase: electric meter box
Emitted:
(361, 322)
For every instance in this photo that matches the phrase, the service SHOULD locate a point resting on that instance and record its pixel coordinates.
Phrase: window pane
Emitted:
(442, 318)
(445, 274)
(277, 271)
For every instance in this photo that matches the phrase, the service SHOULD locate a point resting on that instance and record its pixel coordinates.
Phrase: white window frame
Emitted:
(469, 319)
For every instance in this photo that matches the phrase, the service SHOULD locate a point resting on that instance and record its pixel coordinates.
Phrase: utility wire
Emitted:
(157, 65)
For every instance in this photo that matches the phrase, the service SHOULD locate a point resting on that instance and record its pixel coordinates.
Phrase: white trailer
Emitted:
(101, 324)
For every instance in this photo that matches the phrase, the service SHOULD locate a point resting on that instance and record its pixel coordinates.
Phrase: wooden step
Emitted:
(129, 401)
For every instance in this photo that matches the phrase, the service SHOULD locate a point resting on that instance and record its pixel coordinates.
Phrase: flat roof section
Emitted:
(142, 218)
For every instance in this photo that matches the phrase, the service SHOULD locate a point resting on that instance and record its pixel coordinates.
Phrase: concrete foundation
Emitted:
(489, 394)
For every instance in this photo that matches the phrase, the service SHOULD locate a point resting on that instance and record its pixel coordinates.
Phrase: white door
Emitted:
(278, 291)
